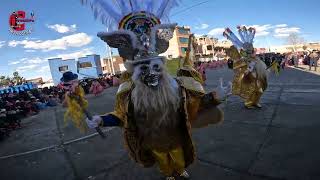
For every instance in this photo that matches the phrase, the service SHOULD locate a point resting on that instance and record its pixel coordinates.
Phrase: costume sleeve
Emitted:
(110, 120)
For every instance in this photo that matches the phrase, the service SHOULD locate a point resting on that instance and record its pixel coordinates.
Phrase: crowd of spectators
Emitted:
(15, 105)
(309, 58)
(105, 81)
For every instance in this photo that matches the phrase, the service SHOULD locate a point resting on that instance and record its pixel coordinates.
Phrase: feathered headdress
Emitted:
(140, 35)
(246, 36)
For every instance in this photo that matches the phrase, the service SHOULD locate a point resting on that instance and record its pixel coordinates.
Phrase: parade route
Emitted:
(279, 141)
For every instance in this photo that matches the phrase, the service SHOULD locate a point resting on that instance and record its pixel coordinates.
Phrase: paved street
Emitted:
(279, 141)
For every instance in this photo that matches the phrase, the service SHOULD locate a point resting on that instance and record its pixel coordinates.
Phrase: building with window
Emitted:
(85, 67)
(224, 44)
(89, 66)
(59, 66)
(118, 65)
(35, 80)
(205, 46)
(178, 45)
(299, 47)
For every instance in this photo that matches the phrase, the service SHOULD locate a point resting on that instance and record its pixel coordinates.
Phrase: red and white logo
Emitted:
(20, 23)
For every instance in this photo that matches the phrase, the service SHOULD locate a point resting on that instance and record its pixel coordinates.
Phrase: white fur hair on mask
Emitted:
(161, 99)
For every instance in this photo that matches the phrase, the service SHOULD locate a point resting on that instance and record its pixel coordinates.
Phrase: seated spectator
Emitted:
(52, 101)
(40, 105)
(96, 88)
(4, 126)
(12, 118)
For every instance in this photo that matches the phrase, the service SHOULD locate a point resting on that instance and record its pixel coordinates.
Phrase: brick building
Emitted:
(178, 45)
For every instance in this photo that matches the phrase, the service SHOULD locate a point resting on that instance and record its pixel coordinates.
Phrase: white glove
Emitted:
(229, 89)
(221, 91)
(94, 122)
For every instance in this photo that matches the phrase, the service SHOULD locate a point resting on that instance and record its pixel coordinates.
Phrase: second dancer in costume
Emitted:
(250, 79)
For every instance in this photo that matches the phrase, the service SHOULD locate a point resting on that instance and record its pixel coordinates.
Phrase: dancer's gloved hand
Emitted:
(94, 122)
(221, 92)
(251, 66)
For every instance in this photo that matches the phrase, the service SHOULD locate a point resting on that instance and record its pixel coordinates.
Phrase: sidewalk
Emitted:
(306, 69)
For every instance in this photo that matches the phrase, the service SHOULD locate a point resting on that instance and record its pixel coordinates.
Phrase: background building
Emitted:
(59, 66)
(298, 47)
(178, 45)
(118, 65)
(85, 67)
(224, 44)
(205, 46)
(37, 81)
(89, 66)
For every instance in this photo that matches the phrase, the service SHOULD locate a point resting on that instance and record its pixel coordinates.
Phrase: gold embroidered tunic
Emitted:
(181, 147)
(245, 85)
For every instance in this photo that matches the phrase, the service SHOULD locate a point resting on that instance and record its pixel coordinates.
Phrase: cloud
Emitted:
(281, 35)
(29, 61)
(36, 60)
(198, 35)
(14, 62)
(262, 30)
(74, 55)
(2, 43)
(40, 60)
(281, 25)
(216, 32)
(26, 68)
(75, 40)
(30, 50)
(43, 69)
(278, 30)
(202, 26)
(62, 28)
(285, 31)
(17, 61)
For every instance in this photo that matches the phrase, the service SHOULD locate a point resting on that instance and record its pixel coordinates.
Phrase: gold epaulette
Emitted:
(125, 76)
(124, 87)
(239, 64)
(190, 72)
(191, 85)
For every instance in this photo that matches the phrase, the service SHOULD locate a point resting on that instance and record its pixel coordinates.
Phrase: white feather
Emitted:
(110, 12)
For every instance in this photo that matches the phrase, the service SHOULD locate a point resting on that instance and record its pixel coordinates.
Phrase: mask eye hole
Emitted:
(156, 67)
(144, 69)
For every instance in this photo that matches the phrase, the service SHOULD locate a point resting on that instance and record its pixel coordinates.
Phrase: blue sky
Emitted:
(65, 28)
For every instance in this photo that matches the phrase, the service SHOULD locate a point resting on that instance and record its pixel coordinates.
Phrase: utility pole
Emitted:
(111, 59)
(108, 60)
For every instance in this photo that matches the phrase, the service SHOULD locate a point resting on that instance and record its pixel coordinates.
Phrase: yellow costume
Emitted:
(250, 74)
(196, 111)
(76, 102)
(177, 159)
(247, 86)
(140, 39)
